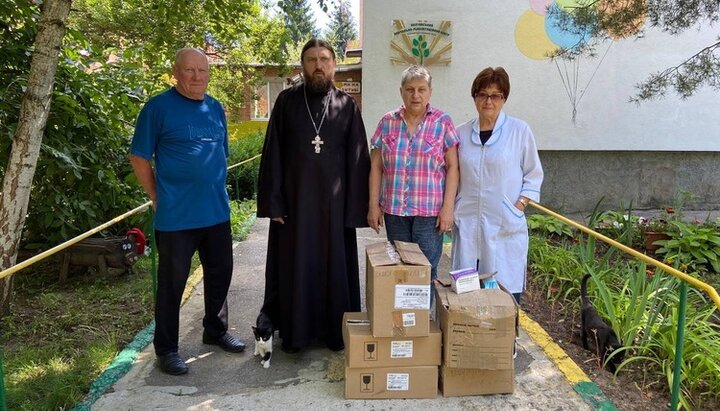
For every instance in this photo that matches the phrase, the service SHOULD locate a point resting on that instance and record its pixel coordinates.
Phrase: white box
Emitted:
(465, 280)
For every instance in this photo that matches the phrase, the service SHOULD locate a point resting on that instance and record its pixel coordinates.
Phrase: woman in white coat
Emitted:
(500, 172)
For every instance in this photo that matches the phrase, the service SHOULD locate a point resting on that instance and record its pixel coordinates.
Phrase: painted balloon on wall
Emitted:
(539, 35)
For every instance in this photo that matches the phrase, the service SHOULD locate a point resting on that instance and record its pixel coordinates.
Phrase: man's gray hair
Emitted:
(416, 72)
(179, 53)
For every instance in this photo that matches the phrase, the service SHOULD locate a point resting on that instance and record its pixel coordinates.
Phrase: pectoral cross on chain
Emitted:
(317, 142)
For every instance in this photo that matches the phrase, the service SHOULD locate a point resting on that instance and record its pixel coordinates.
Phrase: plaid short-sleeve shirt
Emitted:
(414, 165)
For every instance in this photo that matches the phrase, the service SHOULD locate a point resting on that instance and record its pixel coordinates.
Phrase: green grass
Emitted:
(60, 337)
(239, 130)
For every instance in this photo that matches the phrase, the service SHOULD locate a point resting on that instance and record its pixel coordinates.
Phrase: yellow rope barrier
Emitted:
(12, 270)
(712, 293)
(243, 162)
(70, 242)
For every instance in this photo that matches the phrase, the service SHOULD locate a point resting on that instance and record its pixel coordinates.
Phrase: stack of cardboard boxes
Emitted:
(479, 330)
(393, 350)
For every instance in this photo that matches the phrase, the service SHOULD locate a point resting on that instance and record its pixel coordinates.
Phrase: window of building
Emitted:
(261, 102)
(265, 96)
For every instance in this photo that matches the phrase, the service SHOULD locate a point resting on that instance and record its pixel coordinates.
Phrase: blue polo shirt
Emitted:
(188, 141)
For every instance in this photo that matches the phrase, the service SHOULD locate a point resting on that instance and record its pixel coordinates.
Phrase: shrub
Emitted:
(544, 225)
(242, 217)
(242, 180)
(83, 177)
(696, 248)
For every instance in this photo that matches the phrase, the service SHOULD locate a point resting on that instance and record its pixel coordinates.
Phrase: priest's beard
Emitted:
(317, 84)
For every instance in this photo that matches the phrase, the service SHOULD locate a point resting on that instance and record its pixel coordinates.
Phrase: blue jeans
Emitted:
(419, 230)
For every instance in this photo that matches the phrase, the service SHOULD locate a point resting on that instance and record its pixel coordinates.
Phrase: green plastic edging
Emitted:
(592, 395)
(118, 368)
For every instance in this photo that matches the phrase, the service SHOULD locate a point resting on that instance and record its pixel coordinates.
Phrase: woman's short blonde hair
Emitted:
(416, 72)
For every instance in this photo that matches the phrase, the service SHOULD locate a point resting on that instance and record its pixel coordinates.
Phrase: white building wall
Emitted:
(483, 34)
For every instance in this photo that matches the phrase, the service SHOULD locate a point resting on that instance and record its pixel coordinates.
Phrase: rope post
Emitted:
(237, 186)
(3, 403)
(679, 344)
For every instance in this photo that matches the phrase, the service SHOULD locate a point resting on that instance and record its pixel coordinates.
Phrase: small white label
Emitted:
(411, 297)
(408, 319)
(401, 349)
(398, 382)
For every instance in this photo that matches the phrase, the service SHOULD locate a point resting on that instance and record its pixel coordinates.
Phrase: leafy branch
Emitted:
(703, 68)
(615, 19)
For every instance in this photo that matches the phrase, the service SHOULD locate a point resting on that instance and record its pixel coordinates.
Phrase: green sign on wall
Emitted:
(421, 42)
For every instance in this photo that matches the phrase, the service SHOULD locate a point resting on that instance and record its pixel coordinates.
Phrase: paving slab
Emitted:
(313, 378)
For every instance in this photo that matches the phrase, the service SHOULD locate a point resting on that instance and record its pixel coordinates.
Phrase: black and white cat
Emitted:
(263, 332)
(604, 338)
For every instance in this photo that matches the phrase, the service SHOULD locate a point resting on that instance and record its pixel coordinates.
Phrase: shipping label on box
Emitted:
(455, 382)
(479, 328)
(363, 350)
(397, 290)
(401, 349)
(391, 382)
(411, 297)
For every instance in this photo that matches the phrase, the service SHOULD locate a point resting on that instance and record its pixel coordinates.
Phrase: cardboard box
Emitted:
(465, 280)
(479, 328)
(391, 382)
(398, 290)
(362, 350)
(455, 382)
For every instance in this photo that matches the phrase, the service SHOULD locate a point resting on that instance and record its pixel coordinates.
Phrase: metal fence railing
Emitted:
(686, 279)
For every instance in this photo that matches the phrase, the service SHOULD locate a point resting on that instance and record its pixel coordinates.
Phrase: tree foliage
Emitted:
(298, 19)
(115, 55)
(82, 171)
(608, 19)
(159, 27)
(342, 27)
(266, 42)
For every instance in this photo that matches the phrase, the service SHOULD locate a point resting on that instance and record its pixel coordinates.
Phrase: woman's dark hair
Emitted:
(315, 42)
(489, 76)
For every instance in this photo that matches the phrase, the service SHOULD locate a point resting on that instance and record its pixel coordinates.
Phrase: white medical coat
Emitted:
(489, 230)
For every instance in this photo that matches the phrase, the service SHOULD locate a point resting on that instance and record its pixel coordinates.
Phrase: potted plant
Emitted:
(656, 228)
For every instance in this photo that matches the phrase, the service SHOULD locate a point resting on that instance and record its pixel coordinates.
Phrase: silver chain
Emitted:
(317, 129)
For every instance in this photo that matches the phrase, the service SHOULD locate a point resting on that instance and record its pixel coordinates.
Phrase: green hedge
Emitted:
(242, 180)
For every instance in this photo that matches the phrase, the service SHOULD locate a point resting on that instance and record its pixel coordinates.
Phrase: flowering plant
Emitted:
(660, 223)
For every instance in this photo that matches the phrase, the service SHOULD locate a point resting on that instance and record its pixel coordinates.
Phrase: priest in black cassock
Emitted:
(313, 184)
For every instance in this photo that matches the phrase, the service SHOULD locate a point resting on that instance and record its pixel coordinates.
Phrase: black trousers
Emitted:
(175, 250)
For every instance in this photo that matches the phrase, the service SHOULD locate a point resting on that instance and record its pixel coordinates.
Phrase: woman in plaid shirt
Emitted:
(414, 169)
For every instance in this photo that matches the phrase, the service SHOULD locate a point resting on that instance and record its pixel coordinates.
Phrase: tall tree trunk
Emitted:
(25, 149)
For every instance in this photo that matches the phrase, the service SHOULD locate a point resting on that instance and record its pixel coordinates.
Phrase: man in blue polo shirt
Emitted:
(185, 132)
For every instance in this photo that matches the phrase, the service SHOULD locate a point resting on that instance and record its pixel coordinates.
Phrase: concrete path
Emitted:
(545, 378)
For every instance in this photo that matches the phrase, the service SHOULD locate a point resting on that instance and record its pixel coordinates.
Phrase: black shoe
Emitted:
(172, 364)
(289, 350)
(227, 342)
